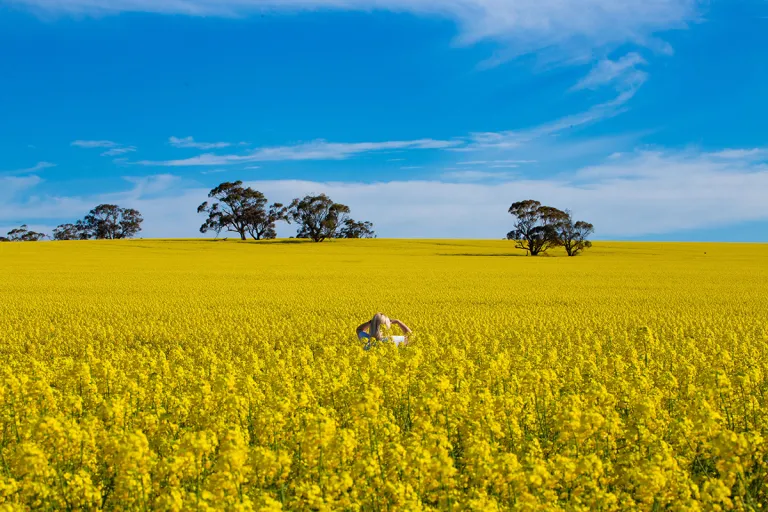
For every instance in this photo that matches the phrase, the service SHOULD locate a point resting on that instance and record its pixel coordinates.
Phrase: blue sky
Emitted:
(427, 117)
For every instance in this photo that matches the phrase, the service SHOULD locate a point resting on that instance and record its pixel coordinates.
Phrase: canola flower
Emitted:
(201, 375)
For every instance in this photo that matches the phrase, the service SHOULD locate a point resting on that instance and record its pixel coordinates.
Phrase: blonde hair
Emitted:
(379, 320)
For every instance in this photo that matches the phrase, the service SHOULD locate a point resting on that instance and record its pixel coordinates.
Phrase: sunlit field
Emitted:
(186, 375)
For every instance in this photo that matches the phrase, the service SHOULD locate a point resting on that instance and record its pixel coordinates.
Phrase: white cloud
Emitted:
(679, 167)
(514, 139)
(634, 194)
(742, 154)
(90, 144)
(480, 141)
(35, 168)
(470, 175)
(112, 148)
(573, 27)
(119, 151)
(622, 73)
(646, 194)
(151, 185)
(316, 150)
(10, 186)
(189, 142)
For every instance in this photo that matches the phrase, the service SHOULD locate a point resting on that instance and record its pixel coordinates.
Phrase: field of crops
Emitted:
(191, 375)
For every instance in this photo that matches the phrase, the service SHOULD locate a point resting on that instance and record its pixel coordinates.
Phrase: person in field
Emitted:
(373, 331)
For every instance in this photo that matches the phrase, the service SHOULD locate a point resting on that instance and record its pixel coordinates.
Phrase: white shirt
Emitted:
(397, 340)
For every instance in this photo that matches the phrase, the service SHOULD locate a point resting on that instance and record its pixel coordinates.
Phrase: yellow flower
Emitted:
(186, 375)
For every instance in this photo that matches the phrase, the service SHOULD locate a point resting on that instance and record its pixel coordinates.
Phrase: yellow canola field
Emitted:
(202, 375)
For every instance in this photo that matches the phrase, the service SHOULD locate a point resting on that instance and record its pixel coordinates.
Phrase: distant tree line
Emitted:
(538, 228)
(236, 208)
(22, 234)
(232, 207)
(104, 222)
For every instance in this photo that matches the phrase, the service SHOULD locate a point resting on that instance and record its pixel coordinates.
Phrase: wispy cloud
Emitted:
(119, 151)
(683, 168)
(498, 164)
(568, 28)
(471, 175)
(411, 167)
(91, 144)
(29, 170)
(10, 186)
(513, 139)
(317, 150)
(622, 73)
(112, 148)
(144, 186)
(189, 142)
(742, 154)
(493, 145)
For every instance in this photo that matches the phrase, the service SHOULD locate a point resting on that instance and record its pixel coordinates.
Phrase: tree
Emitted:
(76, 231)
(261, 222)
(109, 221)
(22, 234)
(318, 217)
(535, 228)
(241, 210)
(106, 221)
(573, 235)
(354, 229)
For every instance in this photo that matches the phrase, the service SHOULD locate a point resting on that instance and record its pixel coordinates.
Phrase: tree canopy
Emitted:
(538, 228)
(23, 234)
(320, 218)
(355, 229)
(573, 235)
(105, 221)
(534, 230)
(241, 210)
(111, 222)
(76, 231)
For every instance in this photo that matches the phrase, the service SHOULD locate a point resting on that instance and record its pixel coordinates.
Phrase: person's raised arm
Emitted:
(362, 327)
(405, 328)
